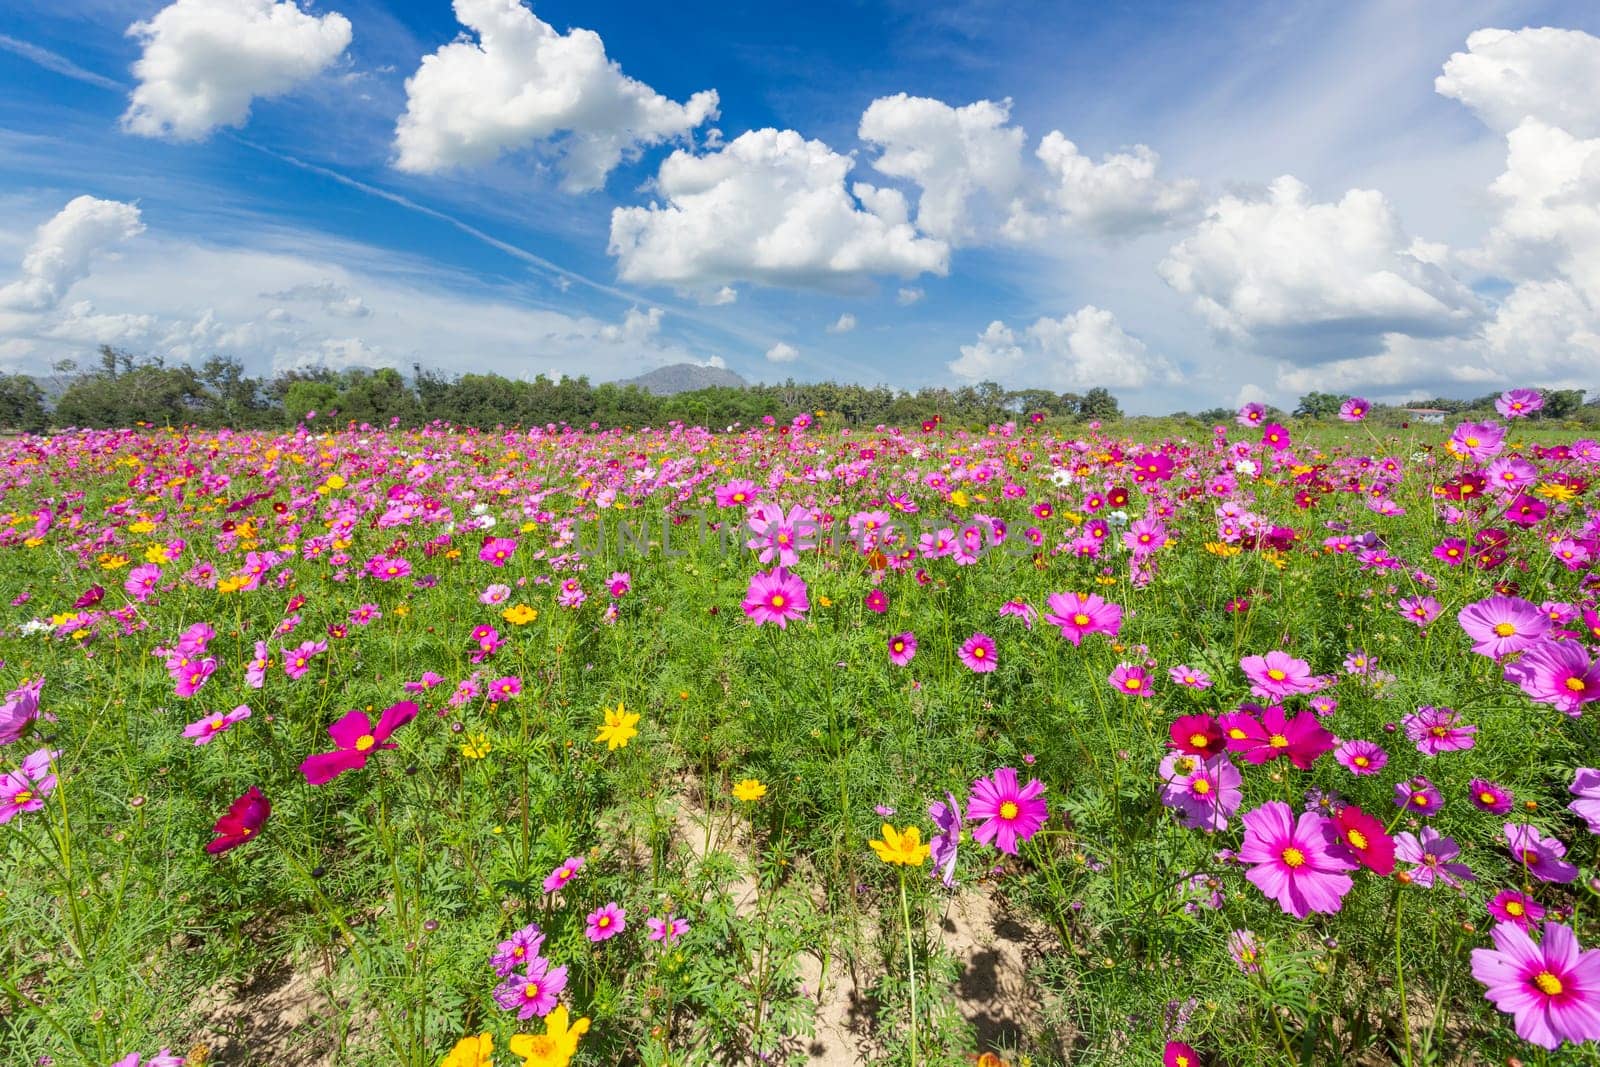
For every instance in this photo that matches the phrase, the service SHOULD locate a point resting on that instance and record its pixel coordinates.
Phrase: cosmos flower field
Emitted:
(549, 746)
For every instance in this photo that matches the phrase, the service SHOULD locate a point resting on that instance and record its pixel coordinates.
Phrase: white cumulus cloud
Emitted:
(1117, 197)
(64, 248)
(1549, 74)
(769, 207)
(520, 83)
(843, 324)
(1315, 281)
(955, 155)
(1082, 350)
(909, 295)
(204, 61)
(782, 353)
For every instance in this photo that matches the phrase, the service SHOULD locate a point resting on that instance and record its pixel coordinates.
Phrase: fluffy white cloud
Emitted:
(953, 155)
(186, 301)
(522, 82)
(1549, 226)
(843, 324)
(722, 297)
(1315, 281)
(1116, 197)
(64, 248)
(1079, 351)
(782, 353)
(204, 61)
(769, 207)
(909, 295)
(1549, 74)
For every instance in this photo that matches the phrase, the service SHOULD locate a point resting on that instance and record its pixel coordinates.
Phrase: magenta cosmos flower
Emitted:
(517, 950)
(1558, 673)
(1433, 856)
(1550, 990)
(776, 596)
(358, 738)
(559, 877)
(1290, 860)
(26, 788)
(243, 821)
(1519, 403)
(534, 991)
(978, 653)
(1510, 906)
(1487, 796)
(203, 730)
(1418, 796)
(1277, 675)
(1354, 409)
(1008, 813)
(188, 679)
(667, 930)
(497, 551)
(902, 647)
(1081, 614)
(1478, 441)
(1540, 856)
(1501, 625)
(1361, 757)
(20, 708)
(1130, 679)
(605, 922)
(947, 818)
(1204, 793)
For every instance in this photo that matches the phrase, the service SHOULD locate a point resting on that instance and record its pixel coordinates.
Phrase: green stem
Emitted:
(911, 964)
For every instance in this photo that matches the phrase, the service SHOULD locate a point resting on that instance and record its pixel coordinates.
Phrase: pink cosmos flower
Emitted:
(497, 593)
(1250, 414)
(978, 653)
(255, 672)
(297, 661)
(572, 594)
(1205, 793)
(1361, 757)
(20, 708)
(141, 582)
(619, 584)
(1487, 796)
(1586, 787)
(1478, 441)
(1277, 675)
(776, 596)
(1433, 856)
(1081, 614)
(1131, 679)
(1558, 673)
(497, 551)
(1501, 625)
(1009, 813)
(1550, 990)
(783, 536)
(365, 614)
(1354, 409)
(559, 877)
(357, 738)
(902, 647)
(1418, 796)
(945, 843)
(193, 641)
(203, 730)
(605, 922)
(1540, 856)
(876, 602)
(1301, 738)
(667, 930)
(1436, 730)
(387, 569)
(1519, 403)
(26, 788)
(534, 991)
(428, 680)
(1245, 948)
(740, 492)
(506, 688)
(1190, 678)
(1291, 862)
(517, 950)
(1419, 609)
(191, 677)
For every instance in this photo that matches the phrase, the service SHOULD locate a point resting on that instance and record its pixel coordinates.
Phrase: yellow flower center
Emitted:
(216, 724)
(1294, 857)
(1080, 619)
(1278, 741)
(1486, 797)
(1575, 685)
(531, 991)
(1199, 740)
(1009, 810)
(1134, 683)
(777, 600)
(1201, 786)
(1440, 731)
(1419, 799)
(605, 921)
(1276, 675)
(1514, 907)
(1504, 629)
(1236, 733)
(1548, 984)
(364, 742)
(22, 798)
(978, 653)
(1356, 839)
(1472, 442)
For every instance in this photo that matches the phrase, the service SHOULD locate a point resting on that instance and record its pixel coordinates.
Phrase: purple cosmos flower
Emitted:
(902, 647)
(1501, 625)
(605, 922)
(26, 788)
(1435, 730)
(1510, 906)
(20, 708)
(1432, 854)
(297, 662)
(1586, 787)
(1009, 813)
(1418, 796)
(776, 596)
(1354, 409)
(517, 950)
(357, 738)
(559, 877)
(534, 991)
(978, 653)
(946, 816)
(497, 551)
(1204, 793)
(1487, 796)
(1245, 948)
(1558, 673)
(1189, 678)
(189, 677)
(1361, 757)
(1540, 856)
(1550, 990)
(1291, 862)
(1478, 441)
(1519, 403)
(1419, 609)
(203, 730)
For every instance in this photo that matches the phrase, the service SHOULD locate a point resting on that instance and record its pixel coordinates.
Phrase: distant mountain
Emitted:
(684, 378)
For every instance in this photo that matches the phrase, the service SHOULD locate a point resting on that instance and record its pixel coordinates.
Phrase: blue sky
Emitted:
(1191, 203)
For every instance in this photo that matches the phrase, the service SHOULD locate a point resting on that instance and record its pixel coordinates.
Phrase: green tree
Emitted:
(21, 404)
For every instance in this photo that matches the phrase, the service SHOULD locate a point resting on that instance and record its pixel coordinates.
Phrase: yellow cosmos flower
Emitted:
(231, 585)
(553, 1048)
(823, 601)
(1218, 548)
(1556, 491)
(619, 728)
(143, 526)
(110, 561)
(903, 847)
(477, 746)
(749, 789)
(960, 499)
(34, 542)
(519, 615)
(471, 1051)
(157, 554)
